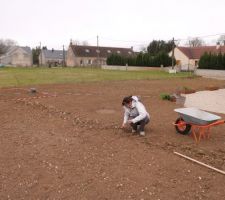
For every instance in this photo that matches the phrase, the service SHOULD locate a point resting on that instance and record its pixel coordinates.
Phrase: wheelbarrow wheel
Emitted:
(182, 127)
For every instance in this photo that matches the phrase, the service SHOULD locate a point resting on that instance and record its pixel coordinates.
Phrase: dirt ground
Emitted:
(64, 142)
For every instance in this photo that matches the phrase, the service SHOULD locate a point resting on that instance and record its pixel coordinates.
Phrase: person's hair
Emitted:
(127, 100)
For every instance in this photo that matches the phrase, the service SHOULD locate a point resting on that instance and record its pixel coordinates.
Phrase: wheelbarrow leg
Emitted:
(201, 134)
(193, 131)
(208, 132)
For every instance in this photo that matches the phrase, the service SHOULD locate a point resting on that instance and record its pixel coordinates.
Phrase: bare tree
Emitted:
(85, 43)
(6, 44)
(195, 42)
(221, 40)
(75, 42)
(78, 42)
(143, 49)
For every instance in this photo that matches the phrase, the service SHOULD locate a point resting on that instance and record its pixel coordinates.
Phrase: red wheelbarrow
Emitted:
(196, 121)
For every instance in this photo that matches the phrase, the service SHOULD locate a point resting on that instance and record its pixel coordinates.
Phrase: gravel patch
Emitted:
(213, 101)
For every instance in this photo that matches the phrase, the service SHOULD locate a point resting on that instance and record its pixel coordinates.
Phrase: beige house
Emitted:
(187, 58)
(18, 56)
(93, 55)
(52, 57)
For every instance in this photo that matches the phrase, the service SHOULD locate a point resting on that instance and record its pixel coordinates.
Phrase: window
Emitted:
(97, 51)
(89, 61)
(118, 52)
(109, 51)
(81, 62)
(87, 50)
(129, 52)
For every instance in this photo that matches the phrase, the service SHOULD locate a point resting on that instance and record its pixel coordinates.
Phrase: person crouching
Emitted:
(135, 114)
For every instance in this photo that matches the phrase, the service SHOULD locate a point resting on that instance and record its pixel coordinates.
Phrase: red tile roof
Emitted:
(197, 52)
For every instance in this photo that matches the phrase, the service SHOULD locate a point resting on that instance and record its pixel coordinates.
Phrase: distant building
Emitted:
(52, 57)
(93, 55)
(187, 58)
(18, 56)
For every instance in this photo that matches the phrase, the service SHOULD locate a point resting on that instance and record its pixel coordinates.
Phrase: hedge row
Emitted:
(212, 61)
(142, 59)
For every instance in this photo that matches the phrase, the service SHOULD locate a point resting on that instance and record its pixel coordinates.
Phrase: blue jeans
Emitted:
(141, 124)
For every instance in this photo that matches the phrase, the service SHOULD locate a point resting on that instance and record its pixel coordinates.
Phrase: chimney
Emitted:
(52, 50)
(132, 48)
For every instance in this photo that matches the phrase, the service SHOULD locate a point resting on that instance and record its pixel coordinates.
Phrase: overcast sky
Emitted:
(117, 22)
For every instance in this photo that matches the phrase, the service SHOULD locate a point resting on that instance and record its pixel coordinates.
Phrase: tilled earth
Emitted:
(65, 142)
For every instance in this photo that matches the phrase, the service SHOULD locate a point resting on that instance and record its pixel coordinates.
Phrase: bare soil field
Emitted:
(65, 142)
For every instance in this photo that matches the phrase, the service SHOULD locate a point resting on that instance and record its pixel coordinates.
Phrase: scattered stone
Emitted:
(33, 90)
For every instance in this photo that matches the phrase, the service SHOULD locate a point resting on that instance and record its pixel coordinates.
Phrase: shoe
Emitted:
(142, 133)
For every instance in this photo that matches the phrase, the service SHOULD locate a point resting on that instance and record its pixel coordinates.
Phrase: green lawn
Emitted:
(34, 76)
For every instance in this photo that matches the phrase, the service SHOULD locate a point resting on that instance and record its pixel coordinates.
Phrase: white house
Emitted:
(17, 56)
(187, 58)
